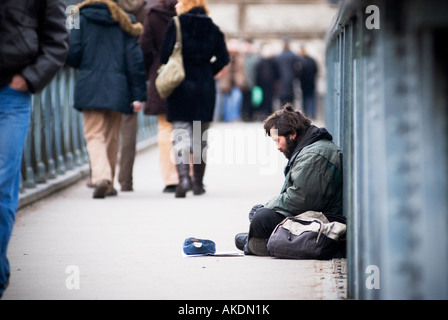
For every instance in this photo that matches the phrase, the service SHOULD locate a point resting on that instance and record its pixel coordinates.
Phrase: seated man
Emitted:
(313, 177)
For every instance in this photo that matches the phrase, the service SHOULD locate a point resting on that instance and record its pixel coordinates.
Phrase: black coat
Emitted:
(308, 74)
(111, 72)
(33, 41)
(202, 40)
(156, 21)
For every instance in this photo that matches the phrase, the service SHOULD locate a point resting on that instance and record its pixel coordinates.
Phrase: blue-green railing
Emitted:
(387, 105)
(55, 146)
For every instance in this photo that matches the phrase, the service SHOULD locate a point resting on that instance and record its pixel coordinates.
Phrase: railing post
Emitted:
(66, 112)
(37, 139)
(57, 127)
(27, 157)
(48, 132)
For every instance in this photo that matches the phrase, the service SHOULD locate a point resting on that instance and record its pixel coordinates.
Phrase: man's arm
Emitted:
(307, 189)
(53, 45)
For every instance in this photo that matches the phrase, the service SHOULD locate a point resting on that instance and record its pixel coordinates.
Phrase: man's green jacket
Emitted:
(313, 177)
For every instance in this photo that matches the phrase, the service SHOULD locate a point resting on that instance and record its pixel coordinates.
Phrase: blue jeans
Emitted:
(15, 108)
(309, 104)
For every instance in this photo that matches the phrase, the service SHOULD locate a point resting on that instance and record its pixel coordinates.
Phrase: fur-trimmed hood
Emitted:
(116, 14)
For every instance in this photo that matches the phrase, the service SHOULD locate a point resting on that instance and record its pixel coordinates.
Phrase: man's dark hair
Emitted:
(287, 121)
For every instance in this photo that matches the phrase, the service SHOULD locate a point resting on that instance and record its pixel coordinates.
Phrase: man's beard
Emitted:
(290, 146)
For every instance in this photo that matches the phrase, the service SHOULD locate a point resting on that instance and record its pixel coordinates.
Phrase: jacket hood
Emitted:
(108, 12)
(311, 135)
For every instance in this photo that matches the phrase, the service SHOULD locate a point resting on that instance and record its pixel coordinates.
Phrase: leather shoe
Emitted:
(241, 240)
(242, 243)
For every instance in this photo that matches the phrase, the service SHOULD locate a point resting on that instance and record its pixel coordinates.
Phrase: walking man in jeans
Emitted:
(33, 47)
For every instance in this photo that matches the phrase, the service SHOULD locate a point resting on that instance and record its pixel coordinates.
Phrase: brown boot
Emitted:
(198, 177)
(184, 180)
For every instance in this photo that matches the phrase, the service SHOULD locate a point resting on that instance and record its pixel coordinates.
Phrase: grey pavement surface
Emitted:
(69, 246)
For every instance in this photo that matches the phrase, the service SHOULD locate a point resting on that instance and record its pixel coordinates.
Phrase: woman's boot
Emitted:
(184, 180)
(198, 176)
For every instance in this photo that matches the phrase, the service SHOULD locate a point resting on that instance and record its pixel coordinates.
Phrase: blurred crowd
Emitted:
(259, 80)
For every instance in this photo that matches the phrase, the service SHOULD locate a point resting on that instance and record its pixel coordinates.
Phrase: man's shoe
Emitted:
(101, 188)
(111, 192)
(170, 189)
(242, 244)
(241, 240)
(126, 188)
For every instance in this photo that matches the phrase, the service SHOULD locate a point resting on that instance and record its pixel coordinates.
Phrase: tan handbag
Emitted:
(171, 74)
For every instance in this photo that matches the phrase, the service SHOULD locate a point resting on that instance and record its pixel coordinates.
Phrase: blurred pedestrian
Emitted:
(288, 64)
(267, 76)
(231, 81)
(110, 78)
(154, 30)
(192, 103)
(308, 73)
(250, 60)
(129, 122)
(31, 54)
(313, 177)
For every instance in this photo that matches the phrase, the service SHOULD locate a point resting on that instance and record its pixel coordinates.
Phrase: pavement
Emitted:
(69, 246)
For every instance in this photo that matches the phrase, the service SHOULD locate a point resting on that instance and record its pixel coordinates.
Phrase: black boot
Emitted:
(198, 177)
(184, 180)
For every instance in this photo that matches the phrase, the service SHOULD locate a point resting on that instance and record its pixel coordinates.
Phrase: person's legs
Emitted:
(182, 135)
(112, 138)
(247, 109)
(101, 173)
(309, 104)
(167, 163)
(199, 143)
(129, 125)
(15, 109)
(263, 223)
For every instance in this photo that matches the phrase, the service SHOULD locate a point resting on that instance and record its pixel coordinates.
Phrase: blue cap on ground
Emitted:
(199, 246)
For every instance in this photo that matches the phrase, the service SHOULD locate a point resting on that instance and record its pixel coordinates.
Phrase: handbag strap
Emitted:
(178, 31)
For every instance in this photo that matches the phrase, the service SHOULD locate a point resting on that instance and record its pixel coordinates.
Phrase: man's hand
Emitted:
(137, 105)
(19, 83)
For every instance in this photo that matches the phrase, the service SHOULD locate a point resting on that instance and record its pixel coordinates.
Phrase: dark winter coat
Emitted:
(153, 33)
(202, 40)
(267, 75)
(110, 64)
(308, 74)
(313, 177)
(288, 64)
(33, 41)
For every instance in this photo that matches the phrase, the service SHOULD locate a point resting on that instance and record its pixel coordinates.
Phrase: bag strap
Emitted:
(179, 32)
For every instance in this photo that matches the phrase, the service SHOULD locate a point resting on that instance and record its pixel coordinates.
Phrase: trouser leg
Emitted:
(190, 138)
(15, 109)
(101, 131)
(166, 158)
(129, 125)
(261, 227)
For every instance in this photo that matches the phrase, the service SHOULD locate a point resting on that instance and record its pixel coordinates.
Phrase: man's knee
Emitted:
(264, 222)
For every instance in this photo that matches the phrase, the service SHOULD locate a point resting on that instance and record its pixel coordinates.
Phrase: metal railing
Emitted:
(387, 107)
(55, 147)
